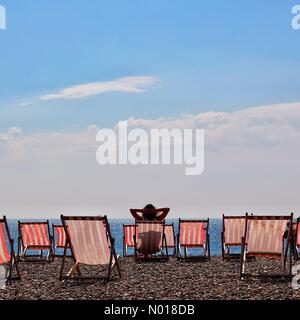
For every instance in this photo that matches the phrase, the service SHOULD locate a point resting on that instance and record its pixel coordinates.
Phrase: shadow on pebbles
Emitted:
(152, 280)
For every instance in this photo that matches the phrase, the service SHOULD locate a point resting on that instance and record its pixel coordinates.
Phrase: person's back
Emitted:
(150, 213)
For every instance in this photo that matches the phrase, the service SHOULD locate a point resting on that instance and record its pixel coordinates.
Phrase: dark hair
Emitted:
(149, 206)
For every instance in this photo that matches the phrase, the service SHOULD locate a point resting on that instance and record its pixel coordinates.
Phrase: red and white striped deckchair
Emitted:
(267, 236)
(193, 234)
(170, 237)
(128, 240)
(91, 244)
(232, 233)
(296, 240)
(34, 236)
(7, 253)
(150, 241)
(59, 238)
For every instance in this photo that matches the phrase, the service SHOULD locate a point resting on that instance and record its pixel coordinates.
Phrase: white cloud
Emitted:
(11, 134)
(26, 103)
(126, 84)
(51, 173)
(252, 126)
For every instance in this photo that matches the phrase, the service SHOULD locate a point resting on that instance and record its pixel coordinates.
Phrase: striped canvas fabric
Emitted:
(89, 241)
(128, 234)
(60, 236)
(265, 236)
(4, 252)
(298, 236)
(192, 234)
(234, 230)
(169, 232)
(149, 237)
(35, 235)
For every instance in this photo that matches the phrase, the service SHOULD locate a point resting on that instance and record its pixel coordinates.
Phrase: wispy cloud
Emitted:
(126, 84)
(25, 103)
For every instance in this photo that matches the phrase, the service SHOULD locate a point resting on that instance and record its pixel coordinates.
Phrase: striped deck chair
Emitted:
(232, 233)
(267, 236)
(170, 237)
(193, 234)
(59, 238)
(34, 236)
(128, 241)
(150, 241)
(296, 238)
(91, 244)
(7, 253)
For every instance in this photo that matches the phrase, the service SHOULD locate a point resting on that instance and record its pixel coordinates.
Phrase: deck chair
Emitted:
(34, 236)
(59, 239)
(267, 236)
(232, 232)
(7, 253)
(193, 234)
(150, 241)
(128, 241)
(91, 244)
(170, 238)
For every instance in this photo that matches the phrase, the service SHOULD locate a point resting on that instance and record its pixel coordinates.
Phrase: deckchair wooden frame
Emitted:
(34, 257)
(55, 245)
(206, 247)
(163, 256)
(226, 254)
(286, 250)
(76, 266)
(13, 261)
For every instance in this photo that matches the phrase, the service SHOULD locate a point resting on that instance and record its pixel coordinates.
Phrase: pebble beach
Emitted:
(172, 280)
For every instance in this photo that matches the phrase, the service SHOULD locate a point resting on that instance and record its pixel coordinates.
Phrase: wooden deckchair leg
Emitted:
(223, 246)
(185, 252)
(17, 268)
(63, 262)
(110, 261)
(208, 246)
(242, 259)
(74, 269)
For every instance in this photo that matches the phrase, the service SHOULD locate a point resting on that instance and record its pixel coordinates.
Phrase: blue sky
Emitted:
(220, 56)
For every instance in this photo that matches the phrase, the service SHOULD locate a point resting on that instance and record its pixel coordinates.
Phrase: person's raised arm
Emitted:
(135, 214)
(162, 213)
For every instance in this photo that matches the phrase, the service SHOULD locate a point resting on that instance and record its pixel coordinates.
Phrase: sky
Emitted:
(230, 67)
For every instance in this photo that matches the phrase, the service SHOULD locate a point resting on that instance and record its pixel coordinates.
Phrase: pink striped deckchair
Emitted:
(170, 237)
(150, 241)
(267, 236)
(232, 233)
(34, 236)
(59, 238)
(91, 244)
(128, 240)
(7, 255)
(193, 234)
(296, 235)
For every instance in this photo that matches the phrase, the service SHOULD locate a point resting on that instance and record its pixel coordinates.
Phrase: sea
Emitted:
(116, 226)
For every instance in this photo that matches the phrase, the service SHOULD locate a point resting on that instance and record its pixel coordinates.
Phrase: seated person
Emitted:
(150, 213)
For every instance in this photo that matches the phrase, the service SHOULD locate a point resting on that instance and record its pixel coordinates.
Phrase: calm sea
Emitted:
(116, 225)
